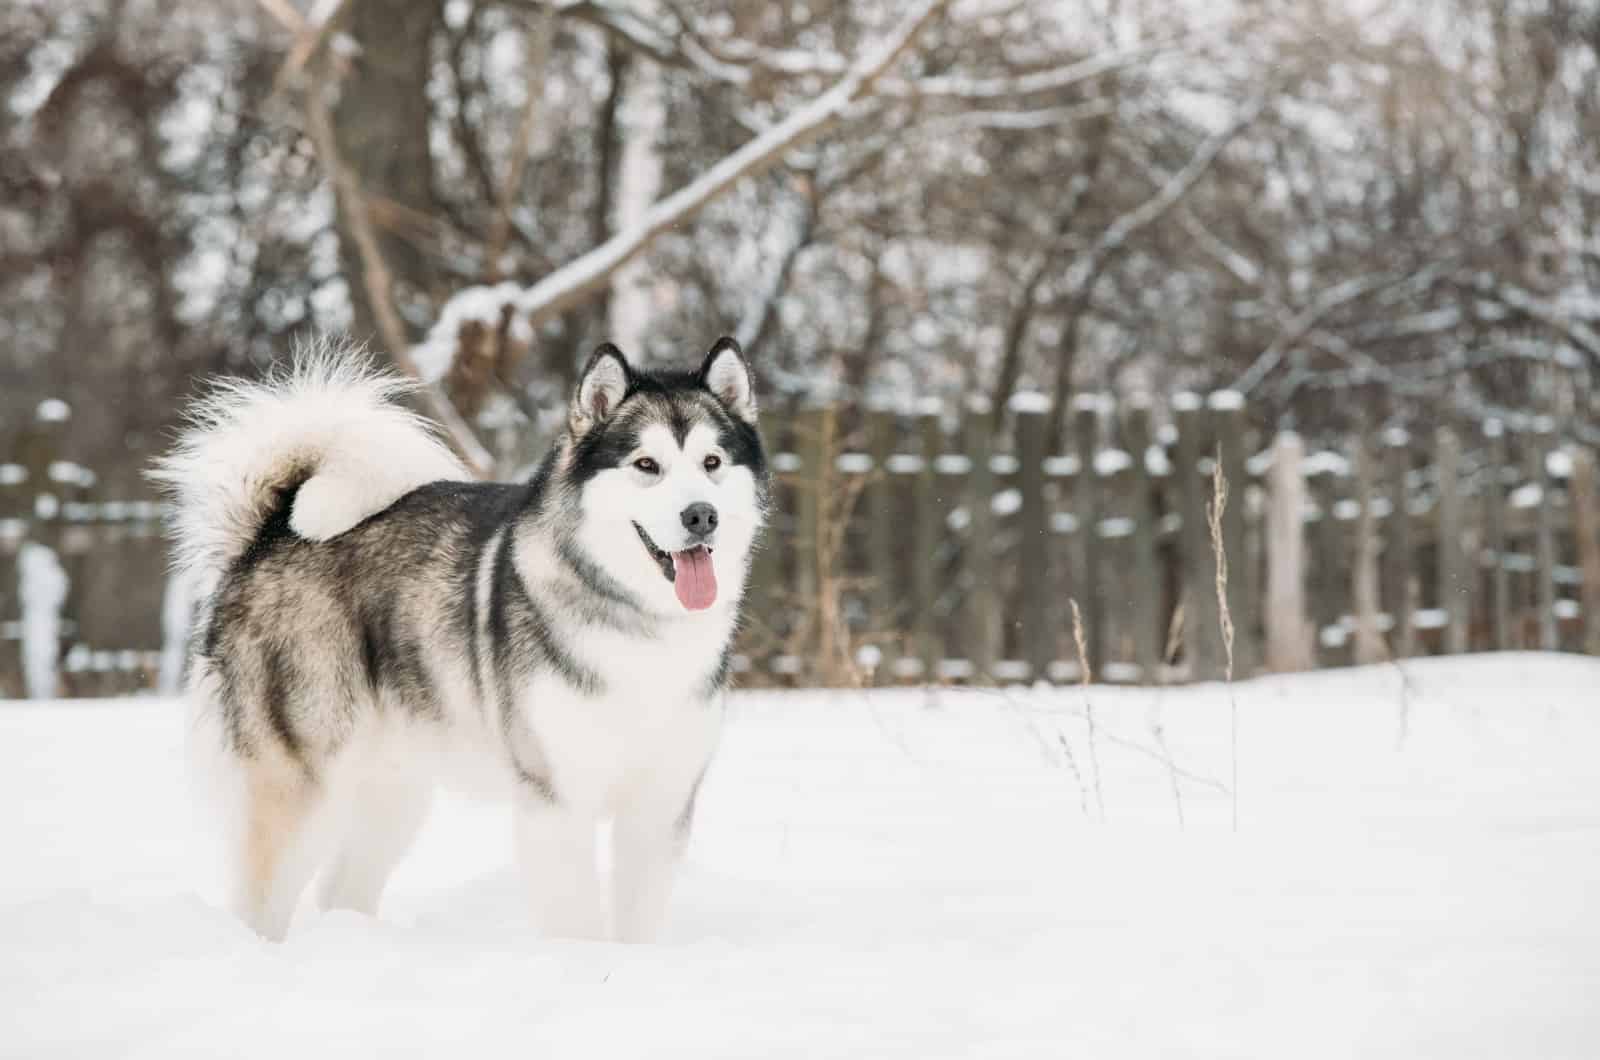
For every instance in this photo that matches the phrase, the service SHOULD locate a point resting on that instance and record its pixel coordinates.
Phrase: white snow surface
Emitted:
(892, 874)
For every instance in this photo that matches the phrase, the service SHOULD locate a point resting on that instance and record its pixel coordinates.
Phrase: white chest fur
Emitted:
(651, 726)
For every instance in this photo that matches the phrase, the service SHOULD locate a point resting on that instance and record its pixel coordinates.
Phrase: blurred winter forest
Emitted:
(1359, 214)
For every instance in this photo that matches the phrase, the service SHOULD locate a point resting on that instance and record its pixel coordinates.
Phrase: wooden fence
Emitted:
(924, 546)
(107, 540)
(921, 546)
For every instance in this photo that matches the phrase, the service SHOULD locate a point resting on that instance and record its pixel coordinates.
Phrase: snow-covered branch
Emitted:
(1328, 301)
(1050, 80)
(1563, 323)
(1155, 207)
(758, 317)
(738, 62)
(580, 278)
(1020, 120)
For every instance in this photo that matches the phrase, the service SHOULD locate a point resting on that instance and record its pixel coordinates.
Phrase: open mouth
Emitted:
(689, 570)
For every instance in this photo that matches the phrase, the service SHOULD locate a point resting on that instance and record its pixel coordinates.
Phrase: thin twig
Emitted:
(1077, 775)
(1088, 705)
(310, 39)
(541, 33)
(1218, 505)
(1158, 732)
(1022, 713)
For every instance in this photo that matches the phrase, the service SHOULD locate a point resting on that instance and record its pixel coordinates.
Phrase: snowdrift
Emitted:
(903, 873)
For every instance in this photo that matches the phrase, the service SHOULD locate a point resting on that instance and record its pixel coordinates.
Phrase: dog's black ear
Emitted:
(601, 388)
(727, 375)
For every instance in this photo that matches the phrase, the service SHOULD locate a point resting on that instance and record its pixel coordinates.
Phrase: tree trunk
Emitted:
(380, 124)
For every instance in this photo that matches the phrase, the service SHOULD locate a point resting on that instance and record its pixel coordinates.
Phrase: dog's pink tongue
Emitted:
(694, 580)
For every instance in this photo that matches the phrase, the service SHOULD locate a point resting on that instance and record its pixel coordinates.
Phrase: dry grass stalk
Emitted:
(1077, 775)
(1214, 510)
(1158, 731)
(1084, 678)
(823, 635)
(836, 504)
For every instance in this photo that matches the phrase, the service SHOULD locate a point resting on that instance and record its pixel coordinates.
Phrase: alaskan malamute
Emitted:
(373, 624)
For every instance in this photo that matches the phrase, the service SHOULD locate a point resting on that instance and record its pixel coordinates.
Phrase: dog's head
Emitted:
(669, 475)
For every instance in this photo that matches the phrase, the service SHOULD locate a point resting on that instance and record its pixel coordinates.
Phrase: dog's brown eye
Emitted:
(713, 462)
(648, 466)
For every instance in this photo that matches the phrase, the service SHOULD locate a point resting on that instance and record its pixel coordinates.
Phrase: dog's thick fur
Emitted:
(374, 624)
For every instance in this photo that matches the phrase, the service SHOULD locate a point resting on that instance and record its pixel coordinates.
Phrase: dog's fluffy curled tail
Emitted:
(329, 424)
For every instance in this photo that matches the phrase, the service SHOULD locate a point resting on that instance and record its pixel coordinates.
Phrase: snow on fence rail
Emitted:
(925, 547)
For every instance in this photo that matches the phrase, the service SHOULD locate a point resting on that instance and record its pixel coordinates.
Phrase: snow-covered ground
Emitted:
(1416, 873)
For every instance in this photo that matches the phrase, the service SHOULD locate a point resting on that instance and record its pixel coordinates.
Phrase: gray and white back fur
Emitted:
(374, 624)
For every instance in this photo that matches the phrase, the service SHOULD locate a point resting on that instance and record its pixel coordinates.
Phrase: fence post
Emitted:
(1454, 590)
(1252, 565)
(1033, 554)
(1369, 646)
(1086, 506)
(1289, 634)
(1227, 417)
(883, 542)
(1544, 534)
(39, 563)
(1144, 581)
(925, 527)
(763, 635)
(809, 445)
(1328, 574)
(1494, 533)
(1586, 532)
(1201, 637)
(1397, 547)
(983, 612)
(13, 528)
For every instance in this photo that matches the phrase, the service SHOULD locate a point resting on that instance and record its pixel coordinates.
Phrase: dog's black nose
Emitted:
(700, 519)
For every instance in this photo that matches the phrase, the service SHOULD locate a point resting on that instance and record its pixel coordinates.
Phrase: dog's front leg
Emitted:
(648, 840)
(557, 850)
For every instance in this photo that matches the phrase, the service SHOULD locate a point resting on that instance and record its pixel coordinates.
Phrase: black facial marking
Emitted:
(603, 448)
(678, 420)
(677, 399)
(742, 442)
(669, 570)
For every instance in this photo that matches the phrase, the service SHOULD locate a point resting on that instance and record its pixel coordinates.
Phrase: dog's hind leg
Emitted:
(386, 814)
(275, 852)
